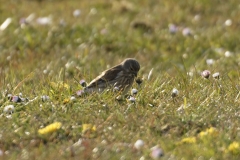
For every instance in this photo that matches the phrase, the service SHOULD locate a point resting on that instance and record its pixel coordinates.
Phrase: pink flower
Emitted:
(205, 74)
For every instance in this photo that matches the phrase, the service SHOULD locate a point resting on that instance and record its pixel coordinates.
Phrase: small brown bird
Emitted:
(119, 77)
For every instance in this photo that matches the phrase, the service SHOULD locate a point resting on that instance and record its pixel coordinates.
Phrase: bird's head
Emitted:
(131, 65)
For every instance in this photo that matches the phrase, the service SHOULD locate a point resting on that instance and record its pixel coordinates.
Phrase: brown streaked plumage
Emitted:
(120, 76)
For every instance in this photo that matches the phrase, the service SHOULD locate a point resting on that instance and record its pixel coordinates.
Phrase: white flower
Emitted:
(139, 144)
(76, 13)
(174, 92)
(228, 22)
(45, 71)
(228, 54)
(134, 91)
(16, 99)
(186, 31)
(70, 64)
(45, 98)
(156, 152)
(116, 89)
(132, 99)
(44, 21)
(219, 50)
(206, 74)
(80, 92)
(210, 61)
(190, 74)
(73, 98)
(216, 75)
(9, 116)
(9, 96)
(197, 17)
(172, 28)
(93, 11)
(20, 94)
(83, 83)
(9, 109)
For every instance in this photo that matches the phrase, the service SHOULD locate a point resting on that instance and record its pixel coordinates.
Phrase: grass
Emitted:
(37, 60)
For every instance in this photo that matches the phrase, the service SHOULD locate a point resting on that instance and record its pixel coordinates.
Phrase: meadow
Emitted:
(187, 106)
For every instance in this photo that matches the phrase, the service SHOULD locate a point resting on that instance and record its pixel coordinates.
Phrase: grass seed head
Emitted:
(150, 74)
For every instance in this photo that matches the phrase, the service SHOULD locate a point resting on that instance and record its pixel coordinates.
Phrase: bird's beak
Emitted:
(135, 74)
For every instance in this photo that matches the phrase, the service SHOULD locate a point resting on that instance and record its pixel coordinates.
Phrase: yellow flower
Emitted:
(188, 140)
(50, 128)
(202, 134)
(88, 127)
(234, 148)
(88, 130)
(61, 85)
(66, 100)
(210, 131)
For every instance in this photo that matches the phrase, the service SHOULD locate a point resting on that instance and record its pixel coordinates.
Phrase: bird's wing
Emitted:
(106, 76)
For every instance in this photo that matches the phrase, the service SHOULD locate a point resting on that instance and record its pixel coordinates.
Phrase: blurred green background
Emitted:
(44, 41)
